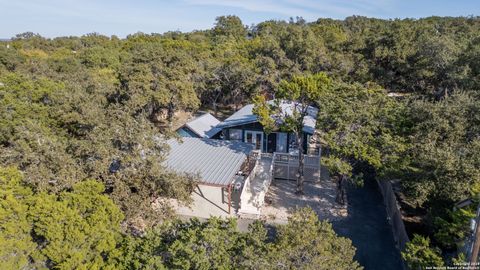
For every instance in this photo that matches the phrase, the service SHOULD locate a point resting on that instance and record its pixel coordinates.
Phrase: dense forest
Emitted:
(83, 123)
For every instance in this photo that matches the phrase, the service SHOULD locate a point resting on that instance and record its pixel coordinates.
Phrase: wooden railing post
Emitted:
(229, 198)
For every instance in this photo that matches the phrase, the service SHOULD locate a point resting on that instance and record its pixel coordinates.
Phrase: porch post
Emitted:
(229, 197)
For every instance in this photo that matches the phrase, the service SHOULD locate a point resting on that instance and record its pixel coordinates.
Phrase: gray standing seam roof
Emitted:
(216, 161)
(245, 116)
(204, 125)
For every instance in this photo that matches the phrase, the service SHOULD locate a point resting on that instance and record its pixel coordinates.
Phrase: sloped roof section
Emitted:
(204, 126)
(245, 116)
(216, 161)
(310, 120)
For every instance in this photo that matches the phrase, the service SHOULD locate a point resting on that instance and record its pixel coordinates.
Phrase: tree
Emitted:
(229, 26)
(299, 94)
(454, 228)
(443, 161)
(10, 59)
(15, 229)
(61, 132)
(214, 244)
(228, 76)
(418, 254)
(360, 128)
(303, 243)
(157, 78)
(100, 56)
(307, 243)
(75, 229)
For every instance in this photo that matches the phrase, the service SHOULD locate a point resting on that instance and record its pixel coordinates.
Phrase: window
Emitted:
(292, 143)
(235, 134)
(281, 142)
(249, 137)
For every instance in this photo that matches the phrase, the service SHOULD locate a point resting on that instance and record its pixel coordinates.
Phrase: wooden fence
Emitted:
(393, 213)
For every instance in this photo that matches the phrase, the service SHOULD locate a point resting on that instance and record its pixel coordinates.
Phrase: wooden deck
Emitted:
(285, 166)
(268, 167)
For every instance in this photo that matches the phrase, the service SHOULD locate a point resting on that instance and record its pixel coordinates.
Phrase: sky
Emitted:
(52, 18)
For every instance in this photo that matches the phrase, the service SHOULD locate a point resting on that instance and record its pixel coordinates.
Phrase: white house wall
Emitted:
(207, 201)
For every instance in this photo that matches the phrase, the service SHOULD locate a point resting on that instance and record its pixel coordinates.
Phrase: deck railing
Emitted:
(285, 166)
(256, 186)
(245, 196)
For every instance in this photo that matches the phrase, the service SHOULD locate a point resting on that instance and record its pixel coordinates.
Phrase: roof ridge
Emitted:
(205, 114)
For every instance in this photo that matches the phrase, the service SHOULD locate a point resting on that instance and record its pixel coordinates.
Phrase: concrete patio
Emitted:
(207, 202)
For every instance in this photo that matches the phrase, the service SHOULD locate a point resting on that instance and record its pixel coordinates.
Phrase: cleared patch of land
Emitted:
(281, 199)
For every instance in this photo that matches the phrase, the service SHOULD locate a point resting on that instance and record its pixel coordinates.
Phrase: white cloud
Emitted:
(252, 5)
(309, 9)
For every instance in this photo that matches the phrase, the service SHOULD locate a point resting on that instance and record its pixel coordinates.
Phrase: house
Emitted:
(203, 126)
(233, 161)
(244, 126)
(217, 164)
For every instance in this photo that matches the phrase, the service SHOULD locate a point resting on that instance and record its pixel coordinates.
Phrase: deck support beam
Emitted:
(229, 197)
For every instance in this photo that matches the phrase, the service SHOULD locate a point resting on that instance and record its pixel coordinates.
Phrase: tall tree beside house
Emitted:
(230, 80)
(59, 134)
(444, 154)
(360, 126)
(303, 92)
(157, 78)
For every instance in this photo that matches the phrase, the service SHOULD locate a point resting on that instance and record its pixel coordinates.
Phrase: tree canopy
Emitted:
(303, 243)
(75, 229)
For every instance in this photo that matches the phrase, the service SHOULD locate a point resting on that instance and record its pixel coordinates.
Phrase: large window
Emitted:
(281, 142)
(292, 143)
(235, 134)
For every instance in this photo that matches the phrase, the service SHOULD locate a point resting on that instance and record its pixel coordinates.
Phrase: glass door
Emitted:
(258, 141)
(281, 142)
(255, 138)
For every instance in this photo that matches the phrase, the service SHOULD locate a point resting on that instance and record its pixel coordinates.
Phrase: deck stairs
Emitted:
(256, 187)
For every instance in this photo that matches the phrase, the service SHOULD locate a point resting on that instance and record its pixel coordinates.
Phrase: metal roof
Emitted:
(246, 116)
(243, 116)
(204, 126)
(216, 161)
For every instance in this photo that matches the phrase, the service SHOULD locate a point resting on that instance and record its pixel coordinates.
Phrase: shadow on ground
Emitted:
(368, 228)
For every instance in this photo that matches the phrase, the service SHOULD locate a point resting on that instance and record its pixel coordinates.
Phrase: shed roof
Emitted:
(245, 116)
(204, 126)
(216, 161)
